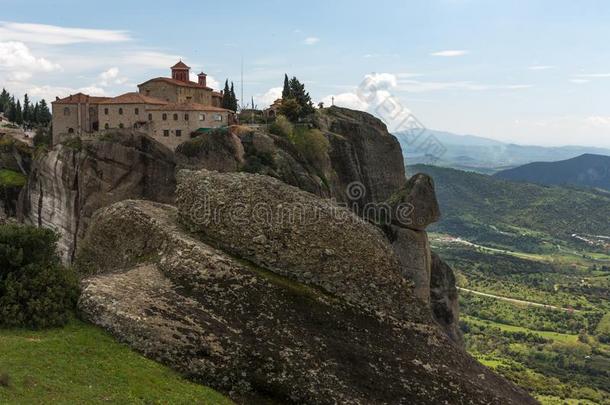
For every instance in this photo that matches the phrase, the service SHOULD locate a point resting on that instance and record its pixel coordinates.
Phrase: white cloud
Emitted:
(50, 92)
(17, 56)
(265, 100)
(347, 100)
(19, 76)
(541, 67)
(598, 121)
(210, 80)
(450, 52)
(311, 40)
(56, 35)
(580, 81)
(110, 77)
(416, 86)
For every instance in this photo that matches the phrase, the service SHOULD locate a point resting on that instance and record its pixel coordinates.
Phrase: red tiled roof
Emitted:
(180, 65)
(175, 82)
(80, 98)
(216, 94)
(133, 98)
(188, 107)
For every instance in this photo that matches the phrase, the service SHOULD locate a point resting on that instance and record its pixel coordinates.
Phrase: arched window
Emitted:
(120, 111)
(137, 111)
(66, 111)
(121, 125)
(70, 130)
(106, 126)
(175, 117)
(150, 117)
(164, 116)
(186, 117)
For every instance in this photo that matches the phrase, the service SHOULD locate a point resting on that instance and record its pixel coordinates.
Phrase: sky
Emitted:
(528, 72)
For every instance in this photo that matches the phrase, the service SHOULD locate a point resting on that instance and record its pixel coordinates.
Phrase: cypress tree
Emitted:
(44, 115)
(27, 113)
(12, 110)
(35, 114)
(5, 100)
(234, 105)
(286, 93)
(18, 113)
(226, 96)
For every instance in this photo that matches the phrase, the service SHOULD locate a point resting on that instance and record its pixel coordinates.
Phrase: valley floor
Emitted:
(541, 320)
(80, 363)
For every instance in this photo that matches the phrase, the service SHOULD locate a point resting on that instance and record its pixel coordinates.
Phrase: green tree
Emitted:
(35, 289)
(18, 113)
(12, 110)
(226, 96)
(27, 113)
(286, 94)
(44, 114)
(290, 109)
(5, 99)
(234, 105)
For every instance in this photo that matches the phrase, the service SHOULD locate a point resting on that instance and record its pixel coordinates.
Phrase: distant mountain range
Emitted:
(586, 170)
(480, 154)
(492, 211)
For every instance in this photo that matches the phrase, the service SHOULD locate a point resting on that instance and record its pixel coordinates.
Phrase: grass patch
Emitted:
(558, 337)
(80, 363)
(10, 179)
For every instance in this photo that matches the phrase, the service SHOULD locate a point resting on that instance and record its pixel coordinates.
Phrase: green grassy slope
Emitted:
(511, 214)
(81, 364)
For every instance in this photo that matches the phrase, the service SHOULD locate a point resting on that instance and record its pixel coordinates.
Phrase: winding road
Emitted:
(516, 301)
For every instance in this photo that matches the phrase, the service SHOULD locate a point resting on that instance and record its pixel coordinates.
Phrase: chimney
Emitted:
(202, 79)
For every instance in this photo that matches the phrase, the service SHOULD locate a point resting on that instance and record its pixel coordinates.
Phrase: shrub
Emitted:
(282, 127)
(43, 138)
(313, 145)
(35, 289)
(5, 380)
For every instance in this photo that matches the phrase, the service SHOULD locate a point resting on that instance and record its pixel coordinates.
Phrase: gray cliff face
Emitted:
(444, 298)
(264, 336)
(69, 183)
(15, 157)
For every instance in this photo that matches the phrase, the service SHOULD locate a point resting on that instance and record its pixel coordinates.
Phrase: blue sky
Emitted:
(531, 72)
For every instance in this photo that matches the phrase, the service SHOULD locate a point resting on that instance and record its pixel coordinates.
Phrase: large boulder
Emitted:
(444, 299)
(415, 205)
(296, 234)
(258, 335)
(72, 180)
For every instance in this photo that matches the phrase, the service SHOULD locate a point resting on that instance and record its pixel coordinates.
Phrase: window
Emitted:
(135, 126)
(201, 117)
(178, 132)
(217, 117)
(166, 132)
(105, 111)
(148, 92)
(121, 125)
(120, 111)
(70, 130)
(175, 117)
(66, 111)
(150, 116)
(164, 116)
(106, 126)
(188, 98)
(186, 117)
(137, 111)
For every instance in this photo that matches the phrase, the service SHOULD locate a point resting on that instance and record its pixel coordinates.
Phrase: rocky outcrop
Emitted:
(15, 162)
(444, 299)
(413, 251)
(295, 234)
(262, 336)
(71, 181)
(415, 205)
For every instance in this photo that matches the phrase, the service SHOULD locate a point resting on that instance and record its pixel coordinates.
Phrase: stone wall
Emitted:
(176, 94)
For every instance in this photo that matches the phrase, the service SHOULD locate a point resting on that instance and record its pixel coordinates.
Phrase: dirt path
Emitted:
(516, 301)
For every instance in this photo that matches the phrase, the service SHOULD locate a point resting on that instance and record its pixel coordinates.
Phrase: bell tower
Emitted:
(180, 71)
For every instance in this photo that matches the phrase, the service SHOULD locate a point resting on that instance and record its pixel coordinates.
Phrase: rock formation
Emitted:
(261, 335)
(444, 298)
(71, 181)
